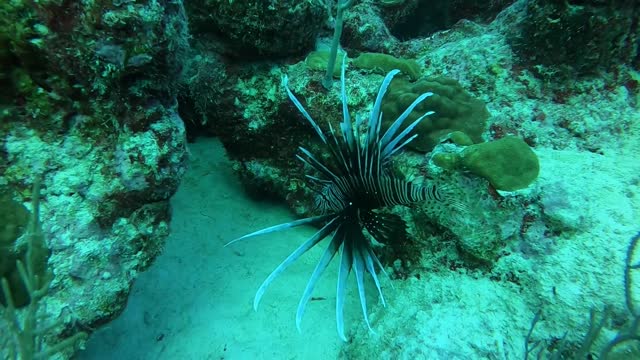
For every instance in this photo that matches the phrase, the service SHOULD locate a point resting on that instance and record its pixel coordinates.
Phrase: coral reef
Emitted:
(534, 131)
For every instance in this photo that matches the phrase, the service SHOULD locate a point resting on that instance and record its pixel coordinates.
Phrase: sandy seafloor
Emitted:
(195, 302)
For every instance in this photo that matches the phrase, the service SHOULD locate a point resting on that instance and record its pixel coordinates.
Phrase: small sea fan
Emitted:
(354, 188)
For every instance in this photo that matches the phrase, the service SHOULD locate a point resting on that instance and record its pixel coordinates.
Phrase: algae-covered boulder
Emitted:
(508, 164)
(454, 110)
(88, 99)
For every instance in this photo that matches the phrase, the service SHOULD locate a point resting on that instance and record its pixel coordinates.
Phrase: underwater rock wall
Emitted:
(88, 105)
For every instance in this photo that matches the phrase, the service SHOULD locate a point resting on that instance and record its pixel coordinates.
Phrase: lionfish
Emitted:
(353, 188)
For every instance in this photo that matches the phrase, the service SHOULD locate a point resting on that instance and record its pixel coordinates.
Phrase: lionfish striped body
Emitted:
(352, 191)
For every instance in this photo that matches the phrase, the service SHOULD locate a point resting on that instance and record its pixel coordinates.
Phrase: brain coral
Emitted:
(455, 110)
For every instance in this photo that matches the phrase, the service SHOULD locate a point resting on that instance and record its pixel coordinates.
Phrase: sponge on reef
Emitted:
(508, 164)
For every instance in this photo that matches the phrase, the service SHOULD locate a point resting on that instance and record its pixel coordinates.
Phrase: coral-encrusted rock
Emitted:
(412, 19)
(365, 30)
(578, 37)
(258, 28)
(89, 104)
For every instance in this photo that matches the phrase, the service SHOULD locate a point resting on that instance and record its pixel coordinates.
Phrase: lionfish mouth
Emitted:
(355, 187)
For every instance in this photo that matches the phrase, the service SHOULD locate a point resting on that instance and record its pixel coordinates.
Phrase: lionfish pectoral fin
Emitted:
(368, 261)
(311, 242)
(306, 221)
(385, 228)
(343, 274)
(359, 270)
(328, 255)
